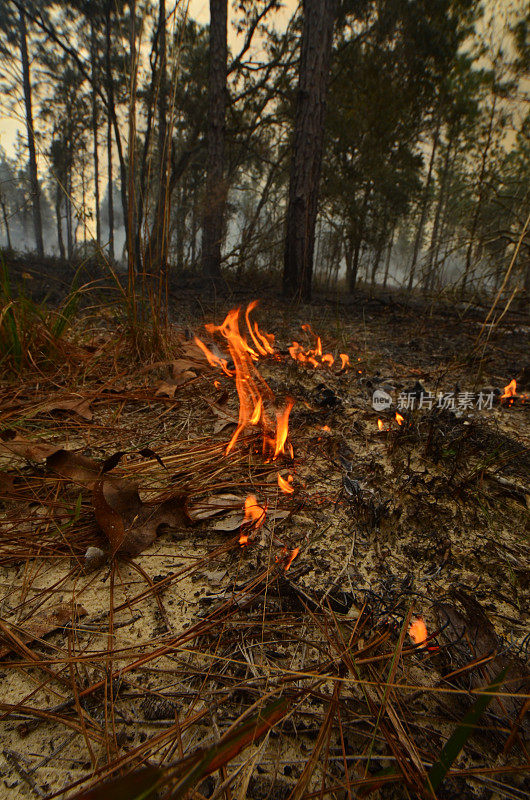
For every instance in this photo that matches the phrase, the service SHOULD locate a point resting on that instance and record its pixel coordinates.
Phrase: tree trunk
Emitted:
(6, 224)
(388, 255)
(424, 208)
(59, 222)
(480, 188)
(130, 220)
(438, 214)
(93, 58)
(316, 46)
(33, 175)
(160, 232)
(378, 253)
(352, 268)
(215, 196)
(110, 179)
(68, 204)
(112, 114)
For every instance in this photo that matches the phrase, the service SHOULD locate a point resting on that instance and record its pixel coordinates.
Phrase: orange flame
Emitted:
(326, 428)
(282, 427)
(380, 424)
(262, 342)
(328, 359)
(418, 631)
(254, 517)
(400, 419)
(213, 360)
(292, 557)
(251, 388)
(285, 485)
(510, 390)
(344, 360)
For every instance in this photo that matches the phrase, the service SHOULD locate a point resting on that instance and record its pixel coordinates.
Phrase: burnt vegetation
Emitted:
(272, 549)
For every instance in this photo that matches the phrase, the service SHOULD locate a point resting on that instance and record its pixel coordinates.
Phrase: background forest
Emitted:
(136, 152)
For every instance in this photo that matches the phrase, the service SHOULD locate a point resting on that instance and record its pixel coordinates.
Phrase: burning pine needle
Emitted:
(285, 485)
(418, 631)
(254, 518)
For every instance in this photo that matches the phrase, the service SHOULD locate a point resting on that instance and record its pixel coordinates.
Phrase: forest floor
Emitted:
(137, 629)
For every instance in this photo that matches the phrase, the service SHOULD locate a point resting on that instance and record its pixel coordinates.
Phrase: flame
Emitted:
(400, 419)
(251, 388)
(213, 360)
(326, 428)
(510, 390)
(418, 631)
(292, 557)
(263, 342)
(380, 424)
(344, 360)
(282, 428)
(254, 517)
(314, 356)
(285, 485)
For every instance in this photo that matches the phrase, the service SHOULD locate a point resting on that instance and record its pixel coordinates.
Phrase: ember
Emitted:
(254, 518)
(292, 558)
(510, 392)
(418, 631)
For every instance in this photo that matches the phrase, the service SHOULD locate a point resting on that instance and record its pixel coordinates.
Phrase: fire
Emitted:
(510, 391)
(254, 518)
(314, 356)
(264, 342)
(213, 360)
(380, 424)
(285, 485)
(282, 428)
(251, 388)
(292, 557)
(326, 428)
(418, 631)
(255, 396)
(400, 419)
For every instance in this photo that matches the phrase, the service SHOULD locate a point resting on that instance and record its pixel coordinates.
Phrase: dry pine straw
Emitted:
(161, 652)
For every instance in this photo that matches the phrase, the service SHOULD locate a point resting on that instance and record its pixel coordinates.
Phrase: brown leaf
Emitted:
(12, 442)
(38, 626)
(166, 389)
(184, 366)
(77, 405)
(130, 525)
(74, 467)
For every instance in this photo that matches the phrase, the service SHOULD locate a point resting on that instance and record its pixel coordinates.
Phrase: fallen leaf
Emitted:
(79, 406)
(129, 524)
(224, 418)
(74, 467)
(184, 366)
(213, 506)
(166, 389)
(39, 625)
(230, 523)
(12, 442)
